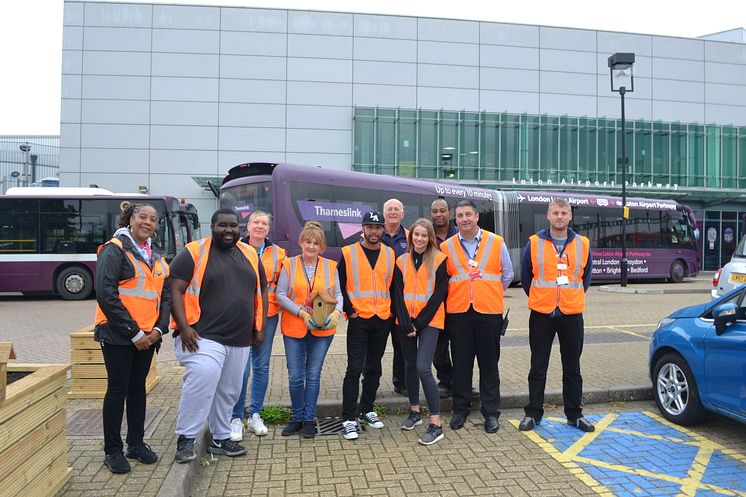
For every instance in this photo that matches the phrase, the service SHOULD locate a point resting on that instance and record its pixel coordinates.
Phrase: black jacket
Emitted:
(112, 266)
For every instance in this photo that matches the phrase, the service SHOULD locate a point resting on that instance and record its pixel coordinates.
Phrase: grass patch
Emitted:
(380, 409)
(276, 415)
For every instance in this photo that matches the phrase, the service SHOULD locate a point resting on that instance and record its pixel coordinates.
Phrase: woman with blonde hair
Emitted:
(271, 256)
(306, 341)
(419, 290)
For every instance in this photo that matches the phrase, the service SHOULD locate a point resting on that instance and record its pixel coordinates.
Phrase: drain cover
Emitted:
(89, 422)
(332, 426)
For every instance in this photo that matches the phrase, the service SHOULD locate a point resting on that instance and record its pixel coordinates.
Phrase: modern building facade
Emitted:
(169, 97)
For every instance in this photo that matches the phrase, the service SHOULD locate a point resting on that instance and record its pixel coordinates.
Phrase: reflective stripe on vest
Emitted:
(485, 294)
(368, 302)
(413, 299)
(290, 324)
(272, 261)
(141, 294)
(545, 295)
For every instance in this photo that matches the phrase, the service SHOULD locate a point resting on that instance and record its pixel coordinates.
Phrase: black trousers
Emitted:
(569, 329)
(127, 369)
(366, 343)
(474, 334)
(398, 371)
(442, 360)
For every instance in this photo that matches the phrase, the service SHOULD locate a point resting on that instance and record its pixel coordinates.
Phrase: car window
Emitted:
(740, 252)
(738, 299)
(741, 313)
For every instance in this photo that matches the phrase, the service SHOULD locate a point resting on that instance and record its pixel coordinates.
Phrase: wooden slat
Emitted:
(52, 482)
(32, 388)
(84, 343)
(33, 442)
(88, 371)
(15, 428)
(27, 473)
(83, 331)
(87, 356)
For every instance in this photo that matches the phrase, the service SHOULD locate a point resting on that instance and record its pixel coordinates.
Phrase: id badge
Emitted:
(475, 274)
(563, 280)
(473, 263)
(562, 267)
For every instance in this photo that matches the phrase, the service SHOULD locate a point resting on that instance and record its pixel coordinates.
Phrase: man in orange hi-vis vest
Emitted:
(479, 269)
(556, 272)
(219, 308)
(366, 270)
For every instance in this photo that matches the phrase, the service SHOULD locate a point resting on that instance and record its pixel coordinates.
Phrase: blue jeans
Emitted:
(258, 363)
(305, 357)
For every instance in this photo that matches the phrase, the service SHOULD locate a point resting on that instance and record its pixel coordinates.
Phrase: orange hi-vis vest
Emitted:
(369, 288)
(419, 287)
(545, 294)
(272, 258)
(141, 294)
(299, 291)
(485, 293)
(200, 251)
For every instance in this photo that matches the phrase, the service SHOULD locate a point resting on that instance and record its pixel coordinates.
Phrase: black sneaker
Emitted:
(185, 449)
(309, 429)
(434, 434)
(142, 453)
(117, 463)
(582, 424)
(292, 428)
(226, 447)
(414, 419)
(527, 424)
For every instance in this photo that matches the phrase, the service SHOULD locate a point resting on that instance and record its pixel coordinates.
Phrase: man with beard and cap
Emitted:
(366, 270)
(219, 309)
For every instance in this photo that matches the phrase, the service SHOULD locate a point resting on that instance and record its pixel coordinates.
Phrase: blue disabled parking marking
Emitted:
(638, 454)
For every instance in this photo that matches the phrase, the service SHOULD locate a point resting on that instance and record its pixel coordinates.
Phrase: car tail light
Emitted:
(716, 278)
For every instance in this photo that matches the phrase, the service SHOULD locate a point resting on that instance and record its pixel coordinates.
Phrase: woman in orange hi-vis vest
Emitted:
(132, 311)
(418, 294)
(271, 257)
(306, 342)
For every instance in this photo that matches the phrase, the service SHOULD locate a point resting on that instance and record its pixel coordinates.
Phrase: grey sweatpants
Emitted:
(212, 383)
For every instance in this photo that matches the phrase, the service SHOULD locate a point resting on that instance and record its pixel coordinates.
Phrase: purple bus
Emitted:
(49, 236)
(660, 233)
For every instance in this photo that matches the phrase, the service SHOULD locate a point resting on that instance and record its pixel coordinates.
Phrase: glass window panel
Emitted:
(661, 152)
(607, 151)
(490, 140)
(712, 164)
(386, 141)
(449, 145)
(509, 147)
(639, 136)
(568, 151)
(469, 146)
(428, 144)
(407, 144)
(364, 137)
(532, 145)
(587, 132)
(19, 225)
(742, 157)
(696, 155)
(678, 154)
(729, 157)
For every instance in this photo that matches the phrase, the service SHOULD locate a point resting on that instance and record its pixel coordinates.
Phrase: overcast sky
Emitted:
(31, 35)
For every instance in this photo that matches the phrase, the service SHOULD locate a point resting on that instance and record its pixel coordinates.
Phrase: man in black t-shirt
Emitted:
(219, 308)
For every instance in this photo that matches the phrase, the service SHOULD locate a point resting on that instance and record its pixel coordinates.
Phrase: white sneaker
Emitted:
(350, 430)
(256, 424)
(236, 430)
(371, 418)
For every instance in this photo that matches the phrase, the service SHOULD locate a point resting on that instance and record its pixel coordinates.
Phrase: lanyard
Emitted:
(311, 282)
(463, 245)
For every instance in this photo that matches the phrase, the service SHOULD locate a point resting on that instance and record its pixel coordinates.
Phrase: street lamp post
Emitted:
(623, 81)
(26, 148)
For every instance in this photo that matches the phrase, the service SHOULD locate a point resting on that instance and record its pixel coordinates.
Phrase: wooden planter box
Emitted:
(33, 441)
(88, 368)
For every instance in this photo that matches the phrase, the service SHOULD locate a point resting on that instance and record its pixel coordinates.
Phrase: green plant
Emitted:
(617, 403)
(380, 409)
(276, 415)
(204, 462)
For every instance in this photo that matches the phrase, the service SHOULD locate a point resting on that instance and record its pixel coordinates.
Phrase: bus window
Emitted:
(247, 198)
(19, 223)
(314, 202)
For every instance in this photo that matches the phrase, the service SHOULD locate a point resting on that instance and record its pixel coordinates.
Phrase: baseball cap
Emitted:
(373, 217)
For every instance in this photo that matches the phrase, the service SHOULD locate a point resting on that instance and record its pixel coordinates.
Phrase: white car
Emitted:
(733, 274)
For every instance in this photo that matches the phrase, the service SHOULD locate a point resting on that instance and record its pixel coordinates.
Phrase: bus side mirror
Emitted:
(696, 234)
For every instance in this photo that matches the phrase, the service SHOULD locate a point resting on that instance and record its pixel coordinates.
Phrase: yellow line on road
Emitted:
(696, 472)
(576, 448)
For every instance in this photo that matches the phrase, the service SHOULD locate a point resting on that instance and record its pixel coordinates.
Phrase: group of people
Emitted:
(434, 286)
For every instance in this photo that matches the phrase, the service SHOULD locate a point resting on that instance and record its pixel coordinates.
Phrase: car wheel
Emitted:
(74, 283)
(675, 391)
(678, 271)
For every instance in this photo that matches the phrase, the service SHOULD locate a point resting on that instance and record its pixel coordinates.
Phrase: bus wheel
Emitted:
(74, 283)
(678, 271)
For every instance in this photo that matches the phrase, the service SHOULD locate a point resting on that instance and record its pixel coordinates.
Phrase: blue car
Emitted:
(698, 360)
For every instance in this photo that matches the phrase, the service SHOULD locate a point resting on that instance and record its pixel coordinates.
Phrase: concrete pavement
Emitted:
(467, 462)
